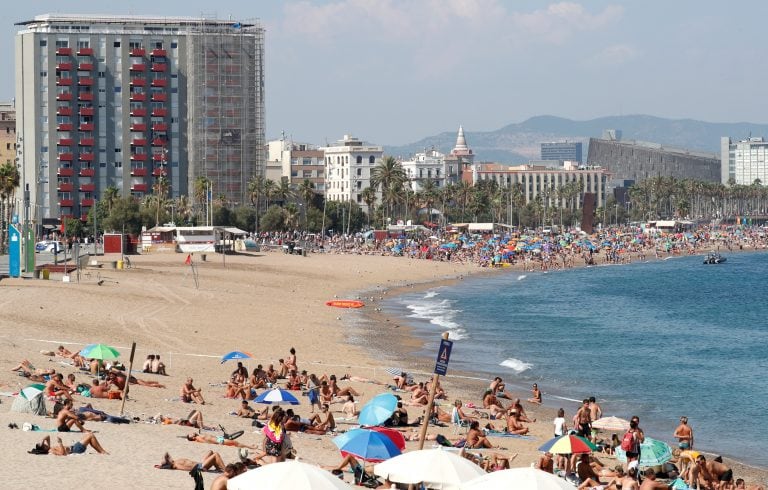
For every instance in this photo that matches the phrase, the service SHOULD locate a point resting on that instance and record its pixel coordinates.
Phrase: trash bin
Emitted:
(46, 274)
(119, 264)
(304, 252)
(203, 257)
(36, 273)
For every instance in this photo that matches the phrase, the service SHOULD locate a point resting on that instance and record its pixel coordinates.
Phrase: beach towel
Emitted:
(499, 433)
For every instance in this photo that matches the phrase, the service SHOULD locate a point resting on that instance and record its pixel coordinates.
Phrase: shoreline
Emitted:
(467, 384)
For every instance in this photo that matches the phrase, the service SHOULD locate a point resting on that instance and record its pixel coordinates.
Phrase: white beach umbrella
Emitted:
(290, 474)
(436, 468)
(611, 423)
(519, 479)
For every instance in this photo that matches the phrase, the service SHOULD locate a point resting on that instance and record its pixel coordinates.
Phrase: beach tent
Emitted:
(34, 405)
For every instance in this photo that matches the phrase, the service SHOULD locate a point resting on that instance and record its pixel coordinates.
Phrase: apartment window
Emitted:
(174, 45)
(307, 174)
(43, 73)
(359, 159)
(372, 159)
(118, 150)
(359, 172)
(117, 90)
(62, 43)
(83, 44)
(134, 45)
(118, 164)
(117, 44)
(43, 42)
(102, 74)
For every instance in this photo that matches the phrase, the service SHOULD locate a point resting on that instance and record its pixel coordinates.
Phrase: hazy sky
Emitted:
(392, 72)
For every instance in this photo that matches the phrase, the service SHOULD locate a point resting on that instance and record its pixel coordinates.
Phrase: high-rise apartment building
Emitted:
(124, 101)
(744, 161)
(569, 151)
(7, 133)
(348, 166)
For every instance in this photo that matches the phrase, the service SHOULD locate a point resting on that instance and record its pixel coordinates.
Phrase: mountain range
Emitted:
(520, 142)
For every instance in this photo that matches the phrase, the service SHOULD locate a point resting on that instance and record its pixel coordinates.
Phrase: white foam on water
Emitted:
(516, 365)
(441, 314)
(430, 294)
(520, 278)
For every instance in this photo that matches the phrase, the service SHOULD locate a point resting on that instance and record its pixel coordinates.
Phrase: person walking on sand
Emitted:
(684, 434)
(584, 420)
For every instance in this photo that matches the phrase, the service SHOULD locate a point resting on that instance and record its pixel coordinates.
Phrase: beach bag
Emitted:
(628, 441)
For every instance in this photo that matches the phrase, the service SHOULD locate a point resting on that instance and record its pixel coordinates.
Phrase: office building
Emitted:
(744, 161)
(348, 166)
(564, 151)
(125, 101)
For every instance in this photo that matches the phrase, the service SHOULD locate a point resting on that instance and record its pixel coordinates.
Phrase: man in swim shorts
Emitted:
(61, 450)
(684, 434)
(216, 440)
(210, 460)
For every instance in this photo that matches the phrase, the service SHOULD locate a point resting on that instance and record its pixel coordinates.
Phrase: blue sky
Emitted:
(392, 72)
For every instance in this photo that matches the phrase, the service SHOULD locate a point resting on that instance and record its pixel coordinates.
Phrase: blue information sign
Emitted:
(443, 356)
(14, 251)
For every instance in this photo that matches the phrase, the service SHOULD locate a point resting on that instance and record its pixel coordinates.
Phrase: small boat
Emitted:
(714, 258)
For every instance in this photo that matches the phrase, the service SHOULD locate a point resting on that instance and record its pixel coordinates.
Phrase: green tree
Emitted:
(9, 182)
(273, 219)
(369, 198)
(125, 214)
(389, 177)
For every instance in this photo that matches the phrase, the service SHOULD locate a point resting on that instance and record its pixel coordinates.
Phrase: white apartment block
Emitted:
(296, 162)
(744, 161)
(429, 165)
(348, 166)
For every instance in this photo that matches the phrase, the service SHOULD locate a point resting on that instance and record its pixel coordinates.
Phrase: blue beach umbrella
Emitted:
(235, 354)
(378, 410)
(367, 445)
(276, 396)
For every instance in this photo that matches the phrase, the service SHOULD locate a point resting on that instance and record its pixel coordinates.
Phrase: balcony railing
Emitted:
(138, 67)
(137, 52)
(139, 172)
(65, 172)
(86, 142)
(86, 157)
(159, 52)
(65, 96)
(159, 127)
(87, 111)
(66, 142)
(138, 82)
(159, 67)
(86, 96)
(140, 187)
(87, 203)
(138, 112)
(139, 157)
(139, 142)
(66, 203)
(64, 127)
(85, 51)
(159, 112)
(61, 81)
(85, 67)
(137, 128)
(63, 51)
(87, 127)
(64, 111)
(65, 186)
(159, 172)
(159, 97)
(159, 82)
(66, 157)
(85, 81)
(63, 66)
(87, 172)
(159, 142)
(138, 97)
(87, 187)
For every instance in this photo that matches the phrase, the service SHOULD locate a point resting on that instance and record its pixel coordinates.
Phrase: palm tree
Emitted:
(284, 191)
(256, 190)
(200, 193)
(369, 198)
(307, 192)
(161, 188)
(110, 196)
(463, 192)
(291, 216)
(269, 191)
(389, 176)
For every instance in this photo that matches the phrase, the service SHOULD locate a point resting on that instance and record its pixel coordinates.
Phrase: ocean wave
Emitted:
(516, 365)
(430, 294)
(441, 314)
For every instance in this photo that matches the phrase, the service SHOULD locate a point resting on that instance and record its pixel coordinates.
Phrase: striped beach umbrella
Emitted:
(234, 355)
(31, 391)
(652, 453)
(568, 444)
(276, 396)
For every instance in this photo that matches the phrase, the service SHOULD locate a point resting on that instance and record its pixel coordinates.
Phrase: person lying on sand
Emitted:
(28, 371)
(247, 412)
(76, 358)
(118, 378)
(338, 391)
(230, 471)
(194, 419)
(44, 447)
(296, 424)
(206, 439)
(209, 460)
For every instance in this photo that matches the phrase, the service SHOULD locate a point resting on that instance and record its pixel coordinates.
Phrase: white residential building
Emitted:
(429, 165)
(744, 161)
(348, 166)
(296, 162)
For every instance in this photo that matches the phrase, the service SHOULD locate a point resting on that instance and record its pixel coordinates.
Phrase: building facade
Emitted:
(7, 132)
(296, 162)
(429, 165)
(744, 161)
(348, 166)
(459, 160)
(569, 151)
(638, 161)
(121, 101)
(535, 181)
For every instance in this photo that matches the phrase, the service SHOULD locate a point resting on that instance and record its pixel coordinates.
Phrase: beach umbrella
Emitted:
(611, 423)
(378, 409)
(568, 444)
(276, 396)
(519, 479)
(395, 435)
(289, 474)
(652, 453)
(31, 391)
(365, 444)
(434, 467)
(101, 352)
(235, 354)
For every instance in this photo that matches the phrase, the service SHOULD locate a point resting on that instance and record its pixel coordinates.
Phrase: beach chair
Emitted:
(456, 423)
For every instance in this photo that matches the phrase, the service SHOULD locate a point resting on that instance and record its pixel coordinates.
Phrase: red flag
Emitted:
(188, 261)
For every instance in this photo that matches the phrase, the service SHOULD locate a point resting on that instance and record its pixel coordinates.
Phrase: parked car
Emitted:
(49, 247)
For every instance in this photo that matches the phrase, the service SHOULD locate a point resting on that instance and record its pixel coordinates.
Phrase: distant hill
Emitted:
(520, 142)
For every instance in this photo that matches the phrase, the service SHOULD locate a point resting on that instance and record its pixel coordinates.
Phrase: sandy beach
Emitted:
(261, 303)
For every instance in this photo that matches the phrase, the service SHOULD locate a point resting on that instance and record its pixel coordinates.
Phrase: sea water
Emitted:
(658, 340)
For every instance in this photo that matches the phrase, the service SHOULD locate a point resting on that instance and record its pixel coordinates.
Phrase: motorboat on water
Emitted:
(714, 258)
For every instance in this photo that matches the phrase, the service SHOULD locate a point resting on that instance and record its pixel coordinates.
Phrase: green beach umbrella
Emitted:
(32, 391)
(100, 351)
(652, 453)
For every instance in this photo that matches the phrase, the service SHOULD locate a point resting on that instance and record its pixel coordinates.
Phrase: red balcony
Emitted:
(87, 187)
(85, 96)
(64, 111)
(85, 51)
(159, 52)
(64, 51)
(66, 203)
(86, 157)
(139, 112)
(86, 142)
(159, 82)
(87, 172)
(64, 96)
(139, 157)
(140, 187)
(159, 112)
(139, 172)
(138, 82)
(65, 186)
(138, 97)
(63, 66)
(137, 52)
(159, 142)
(139, 142)
(85, 81)
(138, 67)
(85, 67)
(159, 67)
(60, 81)
(87, 111)
(159, 172)
(158, 157)
(66, 142)
(86, 203)
(66, 157)
(65, 172)
(137, 128)
(159, 127)
(87, 127)
(159, 97)
(64, 127)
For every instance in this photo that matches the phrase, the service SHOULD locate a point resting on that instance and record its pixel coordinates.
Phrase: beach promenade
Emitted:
(262, 303)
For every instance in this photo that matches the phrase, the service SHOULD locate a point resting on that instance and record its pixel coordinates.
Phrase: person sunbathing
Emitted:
(66, 418)
(498, 462)
(295, 424)
(258, 379)
(238, 386)
(55, 388)
(293, 383)
(516, 405)
(76, 358)
(44, 447)
(157, 366)
(324, 421)
(190, 394)
(349, 409)
(210, 459)
(513, 424)
(194, 419)
(118, 378)
(475, 437)
(493, 404)
(338, 391)
(26, 369)
(221, 440)
(419, 396)
(147, 367)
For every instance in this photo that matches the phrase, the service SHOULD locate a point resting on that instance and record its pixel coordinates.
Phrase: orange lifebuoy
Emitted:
(345, 303)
